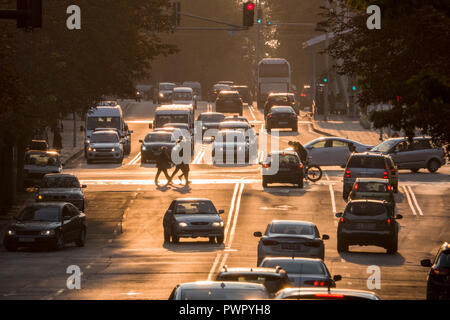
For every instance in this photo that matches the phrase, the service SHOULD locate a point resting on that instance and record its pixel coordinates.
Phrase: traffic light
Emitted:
(354, 88)
(249, 14)
(259, 16)
(325, 79)
(29, 14)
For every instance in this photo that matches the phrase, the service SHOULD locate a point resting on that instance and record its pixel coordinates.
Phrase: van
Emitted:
(173, 114)
(196, 86)
(184, 96)
(110, 117)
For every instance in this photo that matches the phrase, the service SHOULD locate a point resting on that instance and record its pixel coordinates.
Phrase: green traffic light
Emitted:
(354, 88)
(259, 20)
(325, 80)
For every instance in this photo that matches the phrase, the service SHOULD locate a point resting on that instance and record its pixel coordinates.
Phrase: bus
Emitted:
(274, 75)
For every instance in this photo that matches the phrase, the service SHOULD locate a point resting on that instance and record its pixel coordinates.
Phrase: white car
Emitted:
(332, 151)
(184, 96)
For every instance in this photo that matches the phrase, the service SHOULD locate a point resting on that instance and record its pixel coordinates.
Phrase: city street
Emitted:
(125, 256)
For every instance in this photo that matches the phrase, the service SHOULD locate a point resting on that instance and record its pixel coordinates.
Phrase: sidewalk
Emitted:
(343, 126)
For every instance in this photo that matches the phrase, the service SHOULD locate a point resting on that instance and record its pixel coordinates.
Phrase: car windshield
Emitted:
(366, 162)
(241, 119)
(211, 117)
(158, 137)
(272, 283)
(291, 228)
(296, 266)
(60, 182)
(366, 209)
(372, 187)
(173, 118)
(195, 207)
(42, 159)
(385, 146)
(223, 294)
(166, 86)
(104, 138)
(282, 110)
(50, 214)
(182, 96)
(444, 260)
(285, 161)
(103, 122)
(233, 136)
(280, 99)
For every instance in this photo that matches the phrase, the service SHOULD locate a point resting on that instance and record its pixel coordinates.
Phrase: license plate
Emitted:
(292, 246)
(365, 226)
(26, 239)
(284, 122)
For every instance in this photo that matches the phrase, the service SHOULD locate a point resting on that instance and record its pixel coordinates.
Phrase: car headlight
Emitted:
(240, 149)
(217, 224)
(113, 149)
(47, 232)
(161, 95)
(144, 148)
(91, 149)
(40, 197)
(205, 128)
(11, 233)
(183, 224)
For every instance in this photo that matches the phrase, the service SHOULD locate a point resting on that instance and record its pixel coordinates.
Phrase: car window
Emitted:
(339, 144)
(367, 162)
(371, 187)
(294, 229)
(296, 266)
(103, 122)
(366, 209)
(320, 144)
(50, 214)
(421, 145)
(272, 283)
(182, 96)
(195, 207)
(151, 137)
(385, 146)
(211, 117)
(73, 212)
(104, 138)
(288, 161)
(444, 260)
(60, 182)
(223, 294)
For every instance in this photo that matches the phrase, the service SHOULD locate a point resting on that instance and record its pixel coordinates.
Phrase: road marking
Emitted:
(134, 159)
(413, 196)
(251, 112)
(152, 182)
(198, 159)
(230, 213)
(236, 214)
(216, 261)
(333, 203)
(409, 200)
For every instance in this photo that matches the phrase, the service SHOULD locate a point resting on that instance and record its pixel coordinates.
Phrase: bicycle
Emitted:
(312, 172)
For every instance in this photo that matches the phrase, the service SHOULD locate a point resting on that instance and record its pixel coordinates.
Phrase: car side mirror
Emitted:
(426, 263)
(398, 216)
(130, 131)
(257, 234)
(339, 214)
(84, 186)
(221, 211)
(257, 133)
(252, 125)
(140, 141)
(325, 237)
(337, 277)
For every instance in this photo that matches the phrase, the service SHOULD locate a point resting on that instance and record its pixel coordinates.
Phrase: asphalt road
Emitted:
(125, 256)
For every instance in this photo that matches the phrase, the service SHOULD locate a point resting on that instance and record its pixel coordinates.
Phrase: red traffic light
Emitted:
(250, 6)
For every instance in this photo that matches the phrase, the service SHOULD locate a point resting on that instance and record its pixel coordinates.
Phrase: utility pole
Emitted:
(325, 98)
(258, 32)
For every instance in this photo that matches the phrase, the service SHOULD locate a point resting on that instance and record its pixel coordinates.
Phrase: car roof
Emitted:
(369, 154)
(211, 113)
(105, 131)
(379, 180)
(345, 292)
(159, 132)
(239, 86)
(293, 259)
(222, 285)
(293, 222)
(175, 124)
(60, 175)
(290, 152)
(366, 201)
(274, 94)
(229, 92)
(258, 270)
(230, 123)
(445, 246)
(172, 108)
(192, 199)
(183, 89)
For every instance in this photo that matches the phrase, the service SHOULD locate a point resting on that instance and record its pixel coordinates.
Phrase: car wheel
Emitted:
(59, 242)
(166, 236)
(265, 184)
(220, 239)
(120, 160)
(430, 293)
(82, 238)
(10, 247)
(393, 245)
(269, 130)
(175, 239)
(396, 188)
(300, 184)
(433, 165)
(341, 246)
(212, 239)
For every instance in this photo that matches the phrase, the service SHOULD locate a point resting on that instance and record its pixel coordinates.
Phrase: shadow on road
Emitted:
(373, 258)
(190, 246)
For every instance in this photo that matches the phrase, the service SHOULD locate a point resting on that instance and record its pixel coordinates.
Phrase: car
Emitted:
(303, 272)
(235, 117)
(282, 167)
(308, 293)
(180, 131)
(196, 86)
(230, 147)
(281, 117)
(37, 164)
(193, 218)
(369, 165)
(152, 144)
(210, 120)
(332, 151)
(250, 135)
(164, 92)
(219, 290)
(291, 238)
(184, 96)
(46, 224)
(305, 100)
(217, 88)
(104, 145)
(274, 279)
(227, 82)
(244, 92)
(62, 187)
(368, 222)
(421, 152)
(374, 189)
(281, 99)
(40, 145)
(438, 280)
(229, 101)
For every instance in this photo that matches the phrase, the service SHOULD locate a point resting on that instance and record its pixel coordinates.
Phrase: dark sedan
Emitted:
(438, 284)
(46, 224)
(152, 144)
(210, 121)
(229, 102)
(62, 187)
(282, 167)
(303, 272)
(281, 117)
(193, 218)
(280, 99)
(290, 238)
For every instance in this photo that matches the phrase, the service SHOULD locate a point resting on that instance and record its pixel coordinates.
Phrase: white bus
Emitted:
(274, 75)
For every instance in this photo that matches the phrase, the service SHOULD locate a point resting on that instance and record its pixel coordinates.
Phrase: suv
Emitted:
(105, 145)
(229, 101)
(438, 283)
(281, 99)
(367, 222)
(374, 189)
(420, 153)
(289, 168)
(245, 94)
(369, 165)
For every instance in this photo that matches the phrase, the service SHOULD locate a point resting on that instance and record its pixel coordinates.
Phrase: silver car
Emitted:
(420, 153)
(332, 151)
(289, 238)
(104, 145)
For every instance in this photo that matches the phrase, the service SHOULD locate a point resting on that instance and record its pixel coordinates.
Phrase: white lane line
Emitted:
(413, 196)
(251, 112)
(132, 160)
(230, 213)
(138, 159)
(333, 202)
(326, 176)
(236, 214)
(224, 259)
(216, 261)
(409, 200)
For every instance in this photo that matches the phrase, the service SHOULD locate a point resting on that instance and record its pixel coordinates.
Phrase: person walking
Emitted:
(184, 167)
(163, 163)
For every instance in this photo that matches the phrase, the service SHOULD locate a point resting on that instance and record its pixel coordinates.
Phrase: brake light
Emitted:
(328, 295)
(347, 173)
(303, 95)
(342, 219)
(270, 242)
(300, 166)
(385, 175)
(269, 116)
(356, 186)
(388, 221)
(294, 116)
(393, 170)
(389, 188)
(266, 165)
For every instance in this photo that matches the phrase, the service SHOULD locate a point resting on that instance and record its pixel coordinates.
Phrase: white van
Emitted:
(173, 114)
(184, 96)
(108, 117)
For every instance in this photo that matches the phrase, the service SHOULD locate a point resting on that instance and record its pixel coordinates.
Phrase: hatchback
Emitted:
(374, 189)
(438, 282)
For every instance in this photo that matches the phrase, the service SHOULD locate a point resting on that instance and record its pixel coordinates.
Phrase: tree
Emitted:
(404, 64)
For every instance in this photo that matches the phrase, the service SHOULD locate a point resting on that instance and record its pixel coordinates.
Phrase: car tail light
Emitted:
(388, 221)
(342, 219)
(440, 272)
(300, 166)
(347, 173)
(328, 295)
(316, 283)
(303, 95)
(385, 175)
(270, 242)
(266, 165)
(389, 187)
(269, 116)
(356, 186)
(393, 170)
(294, 116)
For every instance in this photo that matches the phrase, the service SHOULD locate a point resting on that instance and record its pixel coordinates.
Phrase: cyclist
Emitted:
(300, 150)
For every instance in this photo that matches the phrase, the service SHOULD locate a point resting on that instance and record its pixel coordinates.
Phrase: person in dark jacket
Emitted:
(184, 167)
(300, 150)
(163, 163)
